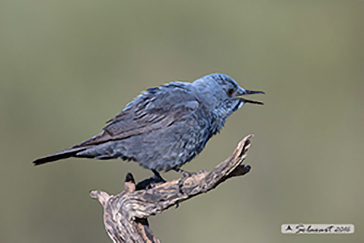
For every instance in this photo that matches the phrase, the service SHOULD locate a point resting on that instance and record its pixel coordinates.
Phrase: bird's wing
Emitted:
(154, 109)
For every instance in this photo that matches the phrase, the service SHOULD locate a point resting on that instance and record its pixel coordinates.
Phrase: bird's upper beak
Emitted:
(248, 92)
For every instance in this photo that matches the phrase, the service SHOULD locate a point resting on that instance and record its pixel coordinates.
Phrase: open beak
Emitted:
(249, 92)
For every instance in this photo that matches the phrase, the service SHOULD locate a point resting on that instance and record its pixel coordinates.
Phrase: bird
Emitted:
(164, 127)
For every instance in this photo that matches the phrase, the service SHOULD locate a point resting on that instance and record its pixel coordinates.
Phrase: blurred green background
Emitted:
(68, 66)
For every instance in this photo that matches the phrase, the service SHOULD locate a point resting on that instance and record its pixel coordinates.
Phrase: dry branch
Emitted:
(125, 214)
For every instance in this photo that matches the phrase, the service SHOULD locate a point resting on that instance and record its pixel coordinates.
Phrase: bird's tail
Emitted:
(71, 152)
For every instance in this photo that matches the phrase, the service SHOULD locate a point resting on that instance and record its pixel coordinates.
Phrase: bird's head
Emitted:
(226, 94)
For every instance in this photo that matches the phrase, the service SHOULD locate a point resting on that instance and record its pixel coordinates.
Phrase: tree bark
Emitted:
(126, 214)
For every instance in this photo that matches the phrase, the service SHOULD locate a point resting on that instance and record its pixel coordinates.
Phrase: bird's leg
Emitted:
(158, 176)
(151, 182)
(183, 172)
(186, 173)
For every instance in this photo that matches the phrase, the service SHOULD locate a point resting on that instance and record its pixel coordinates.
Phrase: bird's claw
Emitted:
(151, 182)
(186, 175)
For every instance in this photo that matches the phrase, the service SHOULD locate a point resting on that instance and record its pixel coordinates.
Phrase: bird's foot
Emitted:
(151, 182)
(186, 175)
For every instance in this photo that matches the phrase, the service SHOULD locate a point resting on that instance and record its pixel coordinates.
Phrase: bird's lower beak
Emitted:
(249, 92)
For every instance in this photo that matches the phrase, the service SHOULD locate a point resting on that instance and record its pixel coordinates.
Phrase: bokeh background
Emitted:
(68, 66)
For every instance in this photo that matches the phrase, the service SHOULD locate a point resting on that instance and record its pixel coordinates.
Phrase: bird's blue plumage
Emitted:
(164, 127)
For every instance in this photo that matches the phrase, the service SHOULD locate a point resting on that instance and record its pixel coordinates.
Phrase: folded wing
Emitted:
(154, 109)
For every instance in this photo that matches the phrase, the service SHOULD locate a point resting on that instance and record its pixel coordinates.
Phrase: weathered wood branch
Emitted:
(125, 214)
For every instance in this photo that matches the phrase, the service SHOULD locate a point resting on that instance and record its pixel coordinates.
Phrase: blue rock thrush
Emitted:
(164, 127)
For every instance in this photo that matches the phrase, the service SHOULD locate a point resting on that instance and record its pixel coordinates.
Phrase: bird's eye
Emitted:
(230, 92)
